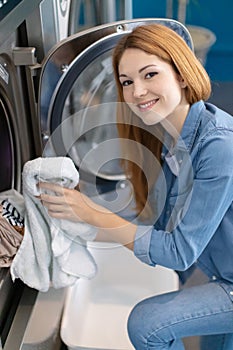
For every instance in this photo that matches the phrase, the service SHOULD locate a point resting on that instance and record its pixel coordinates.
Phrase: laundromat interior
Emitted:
(55, 62)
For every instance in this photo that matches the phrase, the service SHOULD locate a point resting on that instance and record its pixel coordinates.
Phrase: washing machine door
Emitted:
(6, 149)
(9, 136)
(78, 99)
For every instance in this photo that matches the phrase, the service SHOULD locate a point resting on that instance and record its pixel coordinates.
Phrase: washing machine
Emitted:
(17, 301)
(16, 144)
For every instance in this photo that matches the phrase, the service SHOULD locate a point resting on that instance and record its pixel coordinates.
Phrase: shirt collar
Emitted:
(175, 155)
(190, 127)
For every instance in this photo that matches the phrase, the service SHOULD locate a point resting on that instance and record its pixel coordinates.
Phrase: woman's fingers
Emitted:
(70, 204)
(62, 202)
(51, 187)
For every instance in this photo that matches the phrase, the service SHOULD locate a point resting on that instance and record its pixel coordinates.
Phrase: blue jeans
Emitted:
(160, 322)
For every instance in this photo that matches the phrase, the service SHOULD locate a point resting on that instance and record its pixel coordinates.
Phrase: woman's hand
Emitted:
(70, 204)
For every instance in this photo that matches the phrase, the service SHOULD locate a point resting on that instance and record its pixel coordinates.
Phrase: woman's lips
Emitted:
(147, 105)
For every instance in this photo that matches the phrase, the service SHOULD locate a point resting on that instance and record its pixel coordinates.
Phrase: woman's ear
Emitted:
(182, 82)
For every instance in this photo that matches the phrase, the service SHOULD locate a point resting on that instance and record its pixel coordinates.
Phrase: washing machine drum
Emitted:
(78, 97)
(82, 117)
(7, 152)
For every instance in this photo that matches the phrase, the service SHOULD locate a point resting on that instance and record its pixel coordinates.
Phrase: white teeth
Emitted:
(146, 105)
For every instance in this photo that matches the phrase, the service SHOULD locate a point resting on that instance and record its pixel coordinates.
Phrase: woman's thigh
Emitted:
(161, 321)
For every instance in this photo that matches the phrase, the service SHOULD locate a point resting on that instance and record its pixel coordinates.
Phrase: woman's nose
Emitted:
(139, 90)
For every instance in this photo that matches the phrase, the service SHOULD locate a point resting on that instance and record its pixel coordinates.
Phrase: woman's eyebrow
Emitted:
(148, 66)
(123, 75)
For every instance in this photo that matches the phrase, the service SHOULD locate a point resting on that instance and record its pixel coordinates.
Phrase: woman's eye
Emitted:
(150, 75)
(126, 82)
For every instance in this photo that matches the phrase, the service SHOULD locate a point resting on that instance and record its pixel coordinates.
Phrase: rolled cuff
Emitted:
(142, 244)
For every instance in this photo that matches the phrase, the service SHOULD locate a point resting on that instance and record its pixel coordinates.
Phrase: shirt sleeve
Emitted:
(142, 243)
(211, 197)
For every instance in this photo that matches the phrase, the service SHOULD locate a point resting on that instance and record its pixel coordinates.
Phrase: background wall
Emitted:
(212, 14)
(216, 16)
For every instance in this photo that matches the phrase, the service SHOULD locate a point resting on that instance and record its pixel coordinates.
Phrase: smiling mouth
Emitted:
(147, 106)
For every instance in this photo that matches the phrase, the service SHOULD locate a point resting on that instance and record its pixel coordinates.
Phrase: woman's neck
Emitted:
(173, 124)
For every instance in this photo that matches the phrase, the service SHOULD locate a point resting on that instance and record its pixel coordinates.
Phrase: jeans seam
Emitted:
(186, 319)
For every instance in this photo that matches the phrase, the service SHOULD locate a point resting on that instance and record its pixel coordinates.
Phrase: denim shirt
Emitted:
(194, 199)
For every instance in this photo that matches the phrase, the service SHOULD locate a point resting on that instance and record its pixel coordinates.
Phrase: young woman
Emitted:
(183, 189)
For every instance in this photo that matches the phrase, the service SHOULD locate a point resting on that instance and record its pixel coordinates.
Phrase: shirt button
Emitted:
(214, 278)
(231, 292)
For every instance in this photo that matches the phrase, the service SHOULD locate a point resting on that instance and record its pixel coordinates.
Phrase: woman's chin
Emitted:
(150, 118)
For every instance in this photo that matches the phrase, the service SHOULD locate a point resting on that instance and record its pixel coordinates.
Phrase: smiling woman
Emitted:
(165, 85)
(151, 88)
(165, 71)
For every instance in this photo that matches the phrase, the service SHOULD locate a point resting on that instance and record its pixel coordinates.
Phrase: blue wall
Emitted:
(213, 14)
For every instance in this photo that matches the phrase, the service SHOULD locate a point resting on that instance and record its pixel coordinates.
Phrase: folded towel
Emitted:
(53, 252)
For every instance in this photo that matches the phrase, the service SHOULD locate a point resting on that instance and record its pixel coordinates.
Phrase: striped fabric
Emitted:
(11, 214)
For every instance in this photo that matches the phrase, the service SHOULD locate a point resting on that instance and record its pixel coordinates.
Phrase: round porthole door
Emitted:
(77, 104)
(8, 150)
(83, 123)
(78, 101)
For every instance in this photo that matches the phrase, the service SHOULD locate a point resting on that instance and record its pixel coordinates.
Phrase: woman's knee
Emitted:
(141, 323)
(150, 321)
(136, 326)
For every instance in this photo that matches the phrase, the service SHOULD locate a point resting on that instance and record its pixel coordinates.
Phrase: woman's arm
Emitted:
(70, 204)
(196, 215)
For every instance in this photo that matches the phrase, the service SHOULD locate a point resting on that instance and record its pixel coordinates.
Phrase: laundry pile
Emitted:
(11, 231)
(53, 252)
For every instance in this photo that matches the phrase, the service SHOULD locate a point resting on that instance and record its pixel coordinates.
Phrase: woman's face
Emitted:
(151, 87)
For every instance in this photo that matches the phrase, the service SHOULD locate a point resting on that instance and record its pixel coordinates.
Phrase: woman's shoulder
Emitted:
(218, 118)
(215, 135)
(214, 122)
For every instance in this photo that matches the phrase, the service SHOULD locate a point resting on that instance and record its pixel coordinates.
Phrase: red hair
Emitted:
(165, 43)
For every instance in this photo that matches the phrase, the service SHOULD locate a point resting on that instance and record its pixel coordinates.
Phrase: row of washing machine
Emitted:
(52, 88)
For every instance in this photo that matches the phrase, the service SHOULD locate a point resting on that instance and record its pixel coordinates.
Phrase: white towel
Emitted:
(53, 252)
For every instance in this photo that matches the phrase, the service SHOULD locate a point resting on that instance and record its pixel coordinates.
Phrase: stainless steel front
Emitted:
(36, 325)
(48, 25)
(14, 19)
(90, 13)
(16, 334)
(17, 147)
(14, 111)
(26, 57)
